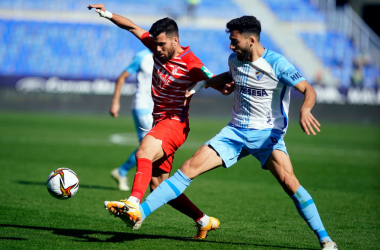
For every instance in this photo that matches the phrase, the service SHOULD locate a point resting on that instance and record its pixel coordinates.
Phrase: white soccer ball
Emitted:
(62, 183)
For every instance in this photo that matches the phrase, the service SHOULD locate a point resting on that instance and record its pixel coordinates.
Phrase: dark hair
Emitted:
(245, 24)
(167, 25)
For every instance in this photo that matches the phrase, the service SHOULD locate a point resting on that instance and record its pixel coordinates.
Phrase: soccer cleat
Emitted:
(137, 225)
(329, 245)
(202, 231)
(125, 210)
(121, 180)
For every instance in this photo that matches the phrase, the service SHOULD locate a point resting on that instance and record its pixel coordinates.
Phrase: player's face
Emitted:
(165, 46)
(241, 45)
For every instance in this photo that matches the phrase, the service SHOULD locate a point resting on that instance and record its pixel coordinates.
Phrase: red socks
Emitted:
(141, 182)
(185, 206)
(143, 177)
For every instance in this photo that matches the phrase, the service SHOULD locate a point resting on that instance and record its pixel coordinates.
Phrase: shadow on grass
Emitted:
(80, 185)
(115, 237)
(12, 238)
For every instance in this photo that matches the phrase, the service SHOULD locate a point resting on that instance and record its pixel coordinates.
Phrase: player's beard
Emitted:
(170, 55)
(244, 54)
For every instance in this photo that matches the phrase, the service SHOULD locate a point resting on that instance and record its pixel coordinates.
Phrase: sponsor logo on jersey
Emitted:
(207, 72)
(259, 75)
(252, 91)
(295, 76)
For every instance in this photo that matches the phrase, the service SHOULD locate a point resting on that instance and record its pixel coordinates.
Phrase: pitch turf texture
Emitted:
(339, 167)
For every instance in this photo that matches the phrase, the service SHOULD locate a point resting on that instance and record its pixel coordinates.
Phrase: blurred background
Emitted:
(57, 56)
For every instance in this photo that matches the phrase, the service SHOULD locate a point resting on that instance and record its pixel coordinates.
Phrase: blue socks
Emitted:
(308, 211)
(128, 164)
(168, 190)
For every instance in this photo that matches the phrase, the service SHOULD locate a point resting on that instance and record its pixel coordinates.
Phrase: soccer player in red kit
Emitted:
(175, 68)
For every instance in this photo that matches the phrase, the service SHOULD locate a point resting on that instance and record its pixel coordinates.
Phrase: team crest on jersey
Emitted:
(259, 75)
(175, 69)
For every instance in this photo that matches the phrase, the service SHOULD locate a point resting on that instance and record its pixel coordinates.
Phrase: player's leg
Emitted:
(205, 157)
(171, 191)
(128, 210)
(149, 151)
(164, 139)
(224, 149)
(181, 203)
(280, 166)
(161, 169)
(143, 123)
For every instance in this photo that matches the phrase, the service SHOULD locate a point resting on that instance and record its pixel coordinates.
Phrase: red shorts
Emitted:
(173, 134)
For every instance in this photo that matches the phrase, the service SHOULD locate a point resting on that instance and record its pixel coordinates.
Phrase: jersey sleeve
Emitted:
(134, 66)
(230, 66)
(198, 71)
(147, 40)
(286, 73)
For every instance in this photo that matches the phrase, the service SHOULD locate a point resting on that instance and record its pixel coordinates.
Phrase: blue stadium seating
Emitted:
(93, 51)
(337, 52)
(295, 10)
(209, 8)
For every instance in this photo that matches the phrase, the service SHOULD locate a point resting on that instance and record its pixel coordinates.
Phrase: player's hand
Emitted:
(308, 122)
(114, 110)
(98, 7)
(229, 88)
(192, 90)
(188, 94)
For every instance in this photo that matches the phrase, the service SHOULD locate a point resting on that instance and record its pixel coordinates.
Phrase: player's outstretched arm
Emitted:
(223, 79)
(115, 106)
(307, 120)
(120, 21)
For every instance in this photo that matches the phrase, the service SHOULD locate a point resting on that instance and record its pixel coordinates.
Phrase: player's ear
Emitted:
(252, 39)
(176, 39)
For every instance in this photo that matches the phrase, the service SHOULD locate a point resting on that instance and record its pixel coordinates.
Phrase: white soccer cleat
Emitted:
(128, 212)
(121, 180)
(329, 245)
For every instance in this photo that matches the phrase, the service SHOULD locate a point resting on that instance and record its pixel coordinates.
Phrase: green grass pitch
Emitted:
(339, 167)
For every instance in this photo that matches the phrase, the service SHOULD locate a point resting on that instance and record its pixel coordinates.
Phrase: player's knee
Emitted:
(291, 184)
(143, 153)
(189, 168)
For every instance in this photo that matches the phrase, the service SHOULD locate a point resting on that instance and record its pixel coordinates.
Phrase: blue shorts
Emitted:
(233, 143)
(143, 121)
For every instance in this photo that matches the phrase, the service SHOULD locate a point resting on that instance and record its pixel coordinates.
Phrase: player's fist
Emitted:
(98, 7)
(114, 109)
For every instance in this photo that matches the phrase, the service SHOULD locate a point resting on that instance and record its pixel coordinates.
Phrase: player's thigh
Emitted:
(280, 166)
(202, 161)
(228, 145)
(150, 148)
(158, 176)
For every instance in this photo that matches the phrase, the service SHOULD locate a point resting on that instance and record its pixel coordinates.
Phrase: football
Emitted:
(62, 183)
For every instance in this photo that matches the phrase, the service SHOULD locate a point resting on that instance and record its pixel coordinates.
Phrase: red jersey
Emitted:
(171, 78)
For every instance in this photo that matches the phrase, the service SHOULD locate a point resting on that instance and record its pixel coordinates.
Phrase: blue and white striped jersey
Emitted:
(262, 91)
(142, 64)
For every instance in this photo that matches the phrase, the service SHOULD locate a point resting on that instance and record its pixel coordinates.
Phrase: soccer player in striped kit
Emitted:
(259, 121)
(175, 68)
